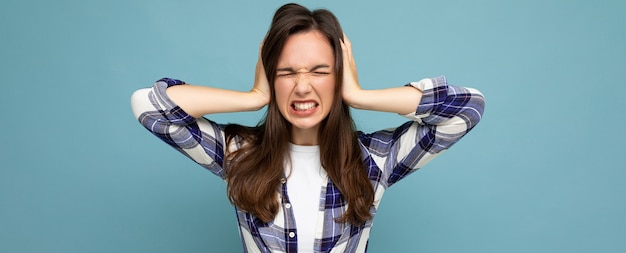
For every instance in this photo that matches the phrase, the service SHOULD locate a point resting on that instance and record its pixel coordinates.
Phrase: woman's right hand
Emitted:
(198, 101)
(261, 84)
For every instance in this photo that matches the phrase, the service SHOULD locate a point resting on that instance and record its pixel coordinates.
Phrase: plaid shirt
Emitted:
(445, 114)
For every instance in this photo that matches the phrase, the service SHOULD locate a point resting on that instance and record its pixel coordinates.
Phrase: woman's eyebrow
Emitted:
(286, 69)
(320, 66)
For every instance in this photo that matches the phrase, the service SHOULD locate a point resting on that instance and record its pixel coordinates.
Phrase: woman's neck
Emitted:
(304, 137)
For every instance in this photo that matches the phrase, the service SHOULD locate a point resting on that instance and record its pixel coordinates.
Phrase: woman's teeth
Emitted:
(304, 106)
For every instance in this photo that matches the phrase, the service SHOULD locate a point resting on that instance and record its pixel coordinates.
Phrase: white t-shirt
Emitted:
(304, 186)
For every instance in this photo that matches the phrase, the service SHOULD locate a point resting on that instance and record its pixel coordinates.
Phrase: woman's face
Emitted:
(305, 81)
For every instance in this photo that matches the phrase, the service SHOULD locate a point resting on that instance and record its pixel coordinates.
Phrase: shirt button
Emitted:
(288, 205)
(292, 234)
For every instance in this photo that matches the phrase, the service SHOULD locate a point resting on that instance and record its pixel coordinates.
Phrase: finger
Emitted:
(344, 51)
(345, 41)
(347, 53)
(347, 44)
(261, 45)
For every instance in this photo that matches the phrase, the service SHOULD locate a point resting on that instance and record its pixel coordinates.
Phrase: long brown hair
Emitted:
(254, 171)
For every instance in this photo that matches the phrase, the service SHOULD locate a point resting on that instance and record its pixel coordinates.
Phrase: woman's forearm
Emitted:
(401, 100)
(201, 100)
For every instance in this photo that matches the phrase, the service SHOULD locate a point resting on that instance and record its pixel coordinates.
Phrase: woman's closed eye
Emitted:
(320, 73)
(293, 74)
(288, 74)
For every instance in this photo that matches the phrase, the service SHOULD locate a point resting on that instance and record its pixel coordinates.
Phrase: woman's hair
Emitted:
(254, 171)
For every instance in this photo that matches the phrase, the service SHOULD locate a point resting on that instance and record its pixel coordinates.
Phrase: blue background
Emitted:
(543, 171)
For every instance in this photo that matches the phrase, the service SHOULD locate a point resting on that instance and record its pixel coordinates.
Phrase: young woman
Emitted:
(304, 180)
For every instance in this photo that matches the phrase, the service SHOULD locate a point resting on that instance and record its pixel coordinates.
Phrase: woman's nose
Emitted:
(302, 84)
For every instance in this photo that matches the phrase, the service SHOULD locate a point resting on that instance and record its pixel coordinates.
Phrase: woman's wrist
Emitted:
(356, 98)
(258, 99)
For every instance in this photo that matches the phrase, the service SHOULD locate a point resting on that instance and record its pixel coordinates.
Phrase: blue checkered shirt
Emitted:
(445, 114)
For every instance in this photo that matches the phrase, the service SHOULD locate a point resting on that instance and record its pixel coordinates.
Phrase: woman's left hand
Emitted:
(350, 77)
(401, 100)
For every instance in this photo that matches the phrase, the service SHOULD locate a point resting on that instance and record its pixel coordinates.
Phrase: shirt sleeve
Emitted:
(199, 139)
(445, 114)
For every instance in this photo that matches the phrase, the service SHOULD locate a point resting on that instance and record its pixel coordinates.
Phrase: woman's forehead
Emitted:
(306, 50)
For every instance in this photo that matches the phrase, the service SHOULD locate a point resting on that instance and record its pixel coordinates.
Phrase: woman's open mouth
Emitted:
(303, 106)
